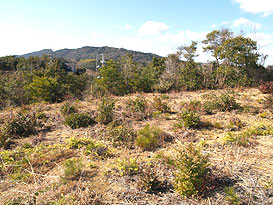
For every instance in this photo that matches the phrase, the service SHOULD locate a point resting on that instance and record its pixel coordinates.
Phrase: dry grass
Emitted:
(248, 170)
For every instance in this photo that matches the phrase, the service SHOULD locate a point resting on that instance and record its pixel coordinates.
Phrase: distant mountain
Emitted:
(89, 52)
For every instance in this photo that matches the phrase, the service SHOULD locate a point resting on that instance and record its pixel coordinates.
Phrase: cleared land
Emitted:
(36, 170)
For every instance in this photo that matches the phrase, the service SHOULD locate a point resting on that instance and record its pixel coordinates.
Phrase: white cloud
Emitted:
(213, 26)
(152, 28)
(265, 45)
(263, 39)
(195, 36)
(225, 22)
(128, 26)
(246, 23)
(95, 35)
(256, 6)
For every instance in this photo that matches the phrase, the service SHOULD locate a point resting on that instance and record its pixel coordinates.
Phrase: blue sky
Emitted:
(157, 26)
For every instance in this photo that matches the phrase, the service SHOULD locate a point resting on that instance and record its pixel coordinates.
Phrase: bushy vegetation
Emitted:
(75, 171)
(72, 169)
(241, 139)
(150, 181)
(137, 108)
(150, 137)
(38, 79)
(78, 120)
(192, 172)
(67, 109)
(106, 111)
(237, 63)
(189, 119)
(91, 147)
(22, 124)
(127, 166)
(161, 105)
(121, 135)
(224, 102)
(245, 137)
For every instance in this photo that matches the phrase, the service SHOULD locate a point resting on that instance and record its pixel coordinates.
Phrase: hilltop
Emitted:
(90, 52)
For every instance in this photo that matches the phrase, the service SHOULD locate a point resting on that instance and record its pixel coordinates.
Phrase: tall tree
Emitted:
(214, 40)
(189, 76)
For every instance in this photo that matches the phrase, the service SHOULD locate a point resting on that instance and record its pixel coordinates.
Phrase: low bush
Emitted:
(150, 137)
(91, 147)
(121, 135)
(240, 139)
(193, 105)
(244, 138)
(260, 130)
(19, 125)
(68, 109)
(263, 115)
(136, 107)
(74, 143)
(72, 169)
(106, 111)
(192, 172)
(98, 149)
(189, 119)
(161, 105)
(78, 120)
(224, 102)
(128, 166)
(231, 196)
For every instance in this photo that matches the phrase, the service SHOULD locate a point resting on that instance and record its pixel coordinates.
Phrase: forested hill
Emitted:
(89, 52)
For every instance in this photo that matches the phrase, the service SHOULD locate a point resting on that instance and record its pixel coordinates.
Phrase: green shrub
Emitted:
(224, 102)
(67, 109)
(193, 105)
(73, 143)
(161, 105)
(22, 124)
(97, 149)
(192, 172)
(231, 196)
(91, 147)
(149, 137)
(240, 139)
(137, 107)
(260, 130)
(45, 88)
(189, 119)
(78, 120)
(243, 138)
(263, 115)
(227, 102)
(128, 166)
(121, 135)
(210, 106)
(106, 111)
(72, 169)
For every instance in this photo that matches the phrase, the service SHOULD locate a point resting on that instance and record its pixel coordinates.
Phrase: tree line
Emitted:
(237, 62)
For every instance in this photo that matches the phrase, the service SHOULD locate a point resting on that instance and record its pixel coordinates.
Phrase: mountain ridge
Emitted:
(91, 52)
